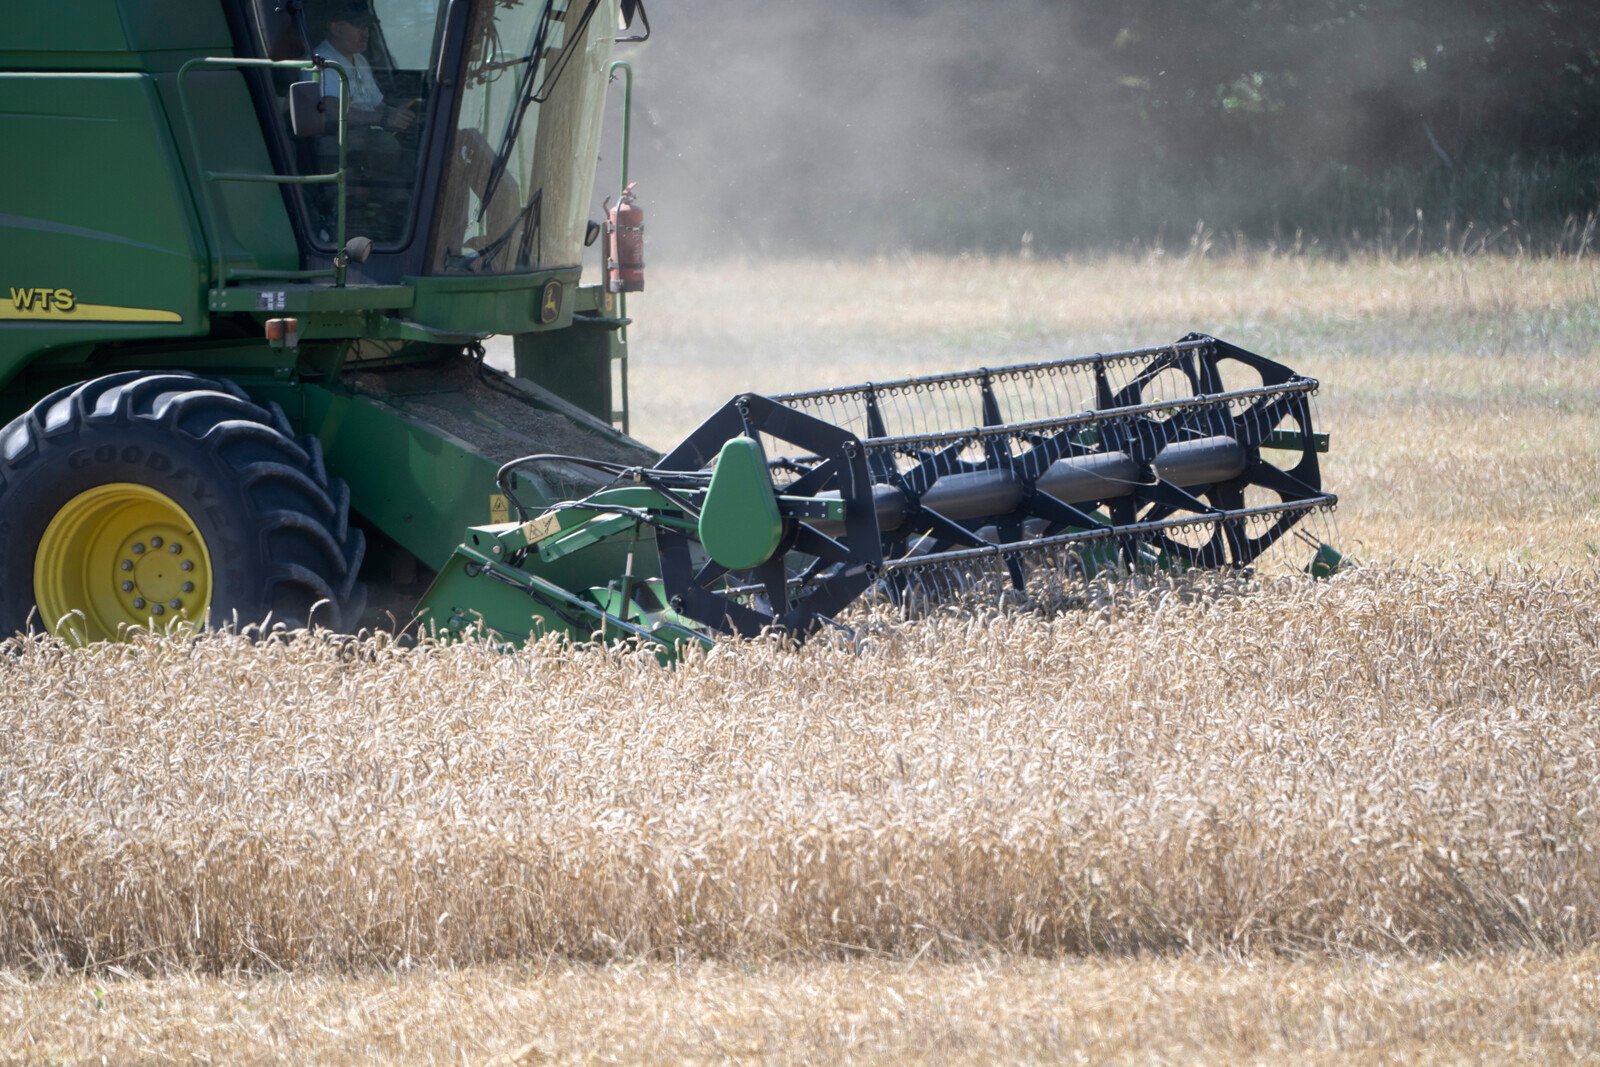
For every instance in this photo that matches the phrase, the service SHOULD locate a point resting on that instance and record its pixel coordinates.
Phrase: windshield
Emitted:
(520, 169)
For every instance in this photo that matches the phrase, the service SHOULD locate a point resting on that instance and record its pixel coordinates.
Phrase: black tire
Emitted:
(278, 528)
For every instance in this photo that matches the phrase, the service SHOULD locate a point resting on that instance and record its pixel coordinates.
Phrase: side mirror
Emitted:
(307, 115)
(591, 233)
(630, 10)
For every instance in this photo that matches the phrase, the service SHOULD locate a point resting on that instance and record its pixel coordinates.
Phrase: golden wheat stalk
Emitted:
(1396, 759)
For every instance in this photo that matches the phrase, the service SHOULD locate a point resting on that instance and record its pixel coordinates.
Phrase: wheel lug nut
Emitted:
(175, 548)
(155, 542)
(138, 603)
(156, 609)
(127, 587)
(188, 587)
(175, 603)
(127, 564)
(186, 565)
(138, 549)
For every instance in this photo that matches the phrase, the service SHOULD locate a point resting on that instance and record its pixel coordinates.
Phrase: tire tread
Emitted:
(315, 553)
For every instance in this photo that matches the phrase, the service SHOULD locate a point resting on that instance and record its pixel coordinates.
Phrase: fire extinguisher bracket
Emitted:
(625, 243)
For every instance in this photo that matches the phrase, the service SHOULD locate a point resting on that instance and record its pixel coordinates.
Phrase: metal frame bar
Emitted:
(622, 298)
(220, 273)
(945, 380)
(1104, 533)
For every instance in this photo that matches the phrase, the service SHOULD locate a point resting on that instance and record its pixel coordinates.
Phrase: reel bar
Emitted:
(1040, 396)
(1042, 545)
(1134, 529)
(910, 443)
(944, 381)
(1035, 427)
(1149, 457)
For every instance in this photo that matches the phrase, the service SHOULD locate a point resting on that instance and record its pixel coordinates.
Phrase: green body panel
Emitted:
(493, 303)
(739, 522)
(575, 363)
(590, 549)
(122, 237)
(575, 530)
(110, 34)
(307, 299)
(1327, 562)
(413, 480)
(123, 241)
(243, 361)
(463, 598)
(521, 580)
(1293, 442)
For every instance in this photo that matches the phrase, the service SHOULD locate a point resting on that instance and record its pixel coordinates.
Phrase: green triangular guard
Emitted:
(740, 526)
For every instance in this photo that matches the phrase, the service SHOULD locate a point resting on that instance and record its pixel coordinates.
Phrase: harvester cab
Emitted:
(252, 251)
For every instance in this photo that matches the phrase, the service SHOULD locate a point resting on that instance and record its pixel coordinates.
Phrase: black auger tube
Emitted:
(1072, 480)
(1110, 475)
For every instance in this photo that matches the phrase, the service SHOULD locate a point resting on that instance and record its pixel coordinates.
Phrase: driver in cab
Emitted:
(350, 25)
(382, 157)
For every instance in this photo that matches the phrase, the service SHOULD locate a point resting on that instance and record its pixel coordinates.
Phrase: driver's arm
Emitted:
(395, 118)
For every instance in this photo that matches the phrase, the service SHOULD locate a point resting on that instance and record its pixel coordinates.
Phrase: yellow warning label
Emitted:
(62, 305)
(499, 508)
(546, 525)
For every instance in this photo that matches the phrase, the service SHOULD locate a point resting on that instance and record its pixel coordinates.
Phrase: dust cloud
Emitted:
(1005, 126)
(826, 127)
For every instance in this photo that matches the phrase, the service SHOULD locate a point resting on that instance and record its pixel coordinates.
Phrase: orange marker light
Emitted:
(283, 333)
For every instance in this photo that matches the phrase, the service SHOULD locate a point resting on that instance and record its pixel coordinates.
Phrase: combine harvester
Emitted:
(251, 250)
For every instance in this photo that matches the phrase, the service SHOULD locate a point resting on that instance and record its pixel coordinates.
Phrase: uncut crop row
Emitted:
(1397, 759)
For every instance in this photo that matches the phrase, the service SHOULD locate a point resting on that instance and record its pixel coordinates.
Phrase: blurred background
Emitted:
(1048, 127)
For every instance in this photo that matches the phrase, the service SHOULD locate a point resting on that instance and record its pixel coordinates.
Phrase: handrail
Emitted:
(622, 298)
(627, 110)
(221, 274)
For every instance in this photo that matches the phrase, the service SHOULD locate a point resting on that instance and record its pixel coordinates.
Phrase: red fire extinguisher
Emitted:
(625, 244)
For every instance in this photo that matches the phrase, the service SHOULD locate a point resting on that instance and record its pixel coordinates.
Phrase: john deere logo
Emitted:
(550, 303)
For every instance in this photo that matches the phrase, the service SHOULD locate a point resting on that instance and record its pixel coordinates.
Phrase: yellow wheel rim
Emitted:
(120, 555)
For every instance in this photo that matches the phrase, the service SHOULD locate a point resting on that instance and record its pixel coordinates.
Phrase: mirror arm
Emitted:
(630, 8)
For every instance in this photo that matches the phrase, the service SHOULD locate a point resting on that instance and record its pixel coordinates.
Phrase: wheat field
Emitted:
(1183, 820)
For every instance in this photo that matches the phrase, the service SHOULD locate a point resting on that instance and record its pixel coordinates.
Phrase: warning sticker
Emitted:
(546, 525)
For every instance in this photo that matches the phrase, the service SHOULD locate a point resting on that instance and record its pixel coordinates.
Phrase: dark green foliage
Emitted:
(1385, 83)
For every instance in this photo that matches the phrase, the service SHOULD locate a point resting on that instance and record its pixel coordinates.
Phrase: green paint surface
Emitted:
(739, 524)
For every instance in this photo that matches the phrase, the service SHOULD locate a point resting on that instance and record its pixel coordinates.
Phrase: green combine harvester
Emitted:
(251, 250)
